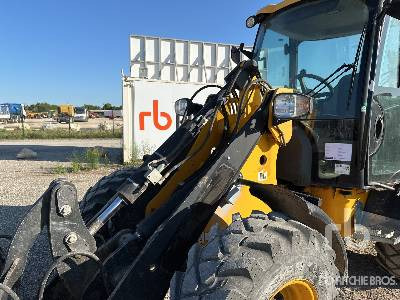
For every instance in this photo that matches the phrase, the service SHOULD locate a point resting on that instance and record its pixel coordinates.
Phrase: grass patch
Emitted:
(60, 169)
(138, 152)
(92, 159)
(60, 134)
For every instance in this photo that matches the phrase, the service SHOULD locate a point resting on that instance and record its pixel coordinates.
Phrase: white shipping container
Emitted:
(149, 113)
(163, 71)
(180, 60)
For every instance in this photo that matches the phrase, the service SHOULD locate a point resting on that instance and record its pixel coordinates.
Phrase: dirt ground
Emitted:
(23, 182)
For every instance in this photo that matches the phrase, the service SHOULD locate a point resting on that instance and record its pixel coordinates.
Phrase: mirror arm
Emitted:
(248, 54)
(385, 8)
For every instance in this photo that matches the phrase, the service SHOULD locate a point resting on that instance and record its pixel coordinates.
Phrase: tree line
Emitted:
(45, 107)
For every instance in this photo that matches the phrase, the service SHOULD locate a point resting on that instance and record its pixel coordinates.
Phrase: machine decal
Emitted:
(262, 176)
(338, 151)
(342, 169)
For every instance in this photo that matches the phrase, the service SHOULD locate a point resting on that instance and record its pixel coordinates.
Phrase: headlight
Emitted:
(290, 106)
(181, 106)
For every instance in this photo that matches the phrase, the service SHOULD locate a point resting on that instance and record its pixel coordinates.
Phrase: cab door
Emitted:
(384, 132)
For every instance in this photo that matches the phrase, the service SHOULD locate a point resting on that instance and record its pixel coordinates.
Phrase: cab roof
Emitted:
(272, 8)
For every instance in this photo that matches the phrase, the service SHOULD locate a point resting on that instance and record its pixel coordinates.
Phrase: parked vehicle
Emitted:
(93, 115)
(4, 113)
(17, 112)
(111, 114)
(64, 118)
(65, 113)
(81, 114)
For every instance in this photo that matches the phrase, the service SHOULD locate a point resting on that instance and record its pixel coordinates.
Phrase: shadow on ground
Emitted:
(364, 265)
(56, 153)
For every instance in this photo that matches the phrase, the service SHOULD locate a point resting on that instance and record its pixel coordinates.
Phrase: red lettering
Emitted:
(162, 114)
(155, 114)
(142, 115)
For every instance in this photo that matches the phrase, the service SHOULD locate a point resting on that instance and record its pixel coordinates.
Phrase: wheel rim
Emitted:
(296, 290)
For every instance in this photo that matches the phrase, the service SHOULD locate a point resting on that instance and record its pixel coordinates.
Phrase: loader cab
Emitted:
(335, 52)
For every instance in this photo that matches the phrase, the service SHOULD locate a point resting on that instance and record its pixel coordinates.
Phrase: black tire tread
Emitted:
(237, 259)
(98, 195)
(388, 257)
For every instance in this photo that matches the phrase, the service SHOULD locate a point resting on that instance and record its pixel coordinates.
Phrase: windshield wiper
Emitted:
(344, 68)
(356, 59)
(328, 80)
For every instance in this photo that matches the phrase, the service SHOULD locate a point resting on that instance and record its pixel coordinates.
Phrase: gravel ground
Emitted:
(22, 182)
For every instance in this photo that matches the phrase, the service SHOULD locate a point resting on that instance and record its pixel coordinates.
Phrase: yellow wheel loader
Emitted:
(253, 195)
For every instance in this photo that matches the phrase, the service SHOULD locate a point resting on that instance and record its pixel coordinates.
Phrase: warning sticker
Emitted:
(342, 169)
(338, 151)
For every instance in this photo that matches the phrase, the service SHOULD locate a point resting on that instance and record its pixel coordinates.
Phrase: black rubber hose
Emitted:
(64, 257)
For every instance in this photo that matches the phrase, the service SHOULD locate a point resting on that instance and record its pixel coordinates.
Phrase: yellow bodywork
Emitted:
(340, 205)
(260, 165)
(270, 9)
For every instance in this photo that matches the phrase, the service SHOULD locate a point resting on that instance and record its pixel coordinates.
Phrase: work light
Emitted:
(290, 106)
(251, 22)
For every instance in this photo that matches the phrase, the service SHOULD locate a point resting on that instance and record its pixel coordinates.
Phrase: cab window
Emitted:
(384, 132)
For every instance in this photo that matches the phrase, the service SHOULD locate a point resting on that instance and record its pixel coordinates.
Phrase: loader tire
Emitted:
(256, 258)
(388, 257)
(99, 194)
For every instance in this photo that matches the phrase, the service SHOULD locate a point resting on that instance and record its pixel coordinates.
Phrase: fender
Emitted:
(299, 209)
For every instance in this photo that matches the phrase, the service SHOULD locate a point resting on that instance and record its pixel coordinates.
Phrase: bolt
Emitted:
(152, 268)
(65, 210)
(71, 238)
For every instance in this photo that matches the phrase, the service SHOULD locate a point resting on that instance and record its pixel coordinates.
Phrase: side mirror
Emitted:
(235, 55)
(185, 107)
(181, 106)
(248, 54)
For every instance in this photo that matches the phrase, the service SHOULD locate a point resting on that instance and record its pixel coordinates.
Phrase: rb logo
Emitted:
(156, 121)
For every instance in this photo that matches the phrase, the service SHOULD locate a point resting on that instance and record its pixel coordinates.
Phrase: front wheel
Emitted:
(389, 258)
(98, 195)
(261, 257)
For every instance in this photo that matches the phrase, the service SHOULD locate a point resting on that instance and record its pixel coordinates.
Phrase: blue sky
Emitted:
(73, 50)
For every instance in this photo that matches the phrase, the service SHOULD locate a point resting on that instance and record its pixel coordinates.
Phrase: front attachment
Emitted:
(71, 244)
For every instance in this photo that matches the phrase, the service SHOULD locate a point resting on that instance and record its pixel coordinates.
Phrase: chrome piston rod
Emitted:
(107, 213)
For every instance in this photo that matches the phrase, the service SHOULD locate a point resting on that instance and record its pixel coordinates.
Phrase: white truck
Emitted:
(81, 114)
(4, 113)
